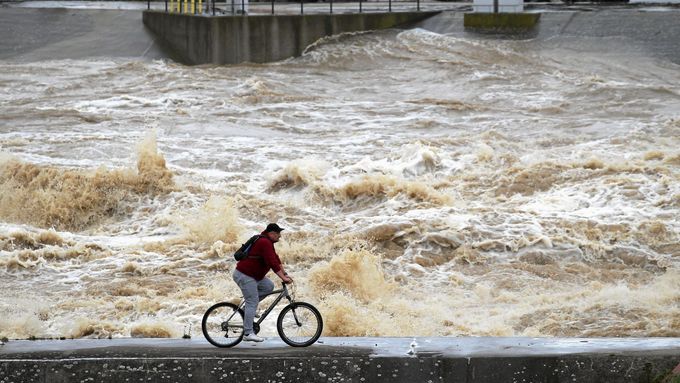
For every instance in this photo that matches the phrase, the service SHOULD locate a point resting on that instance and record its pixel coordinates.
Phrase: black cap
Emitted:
(273, 227)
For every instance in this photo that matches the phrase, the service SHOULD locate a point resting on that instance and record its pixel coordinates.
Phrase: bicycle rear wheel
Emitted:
(299, 324)
(222, 325)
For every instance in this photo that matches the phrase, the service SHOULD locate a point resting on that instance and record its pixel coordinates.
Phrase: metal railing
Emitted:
(242, 7)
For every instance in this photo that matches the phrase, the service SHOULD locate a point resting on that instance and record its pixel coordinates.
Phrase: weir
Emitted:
(205, 39)
(54, 34)
(390, 360)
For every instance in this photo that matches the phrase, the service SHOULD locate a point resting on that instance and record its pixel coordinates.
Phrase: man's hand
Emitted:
(284, 277)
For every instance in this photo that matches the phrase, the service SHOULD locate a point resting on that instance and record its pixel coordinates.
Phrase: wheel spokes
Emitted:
(223, 325)
(300, 324)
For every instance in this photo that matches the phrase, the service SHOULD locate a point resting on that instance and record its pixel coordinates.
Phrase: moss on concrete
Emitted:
(501, 21)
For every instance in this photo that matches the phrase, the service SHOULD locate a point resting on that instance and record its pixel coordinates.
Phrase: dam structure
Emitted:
(259, 38)
(57, 33)
(207, 39)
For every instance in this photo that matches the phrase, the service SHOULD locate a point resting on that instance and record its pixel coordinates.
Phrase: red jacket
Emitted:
(261, 258)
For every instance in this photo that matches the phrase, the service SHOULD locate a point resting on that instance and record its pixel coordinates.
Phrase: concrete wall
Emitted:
(198, 39)
(480, 360)
(501, 21)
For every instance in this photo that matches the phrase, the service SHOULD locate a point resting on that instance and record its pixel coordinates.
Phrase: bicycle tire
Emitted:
(217, 331)
(299, 318)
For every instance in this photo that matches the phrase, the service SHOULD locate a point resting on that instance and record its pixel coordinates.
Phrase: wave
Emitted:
(217, 220)
(48, 196)
(91, 328)
(340, 51)
(258, 90)
(344, 51)
(154, 329)
(21, 240)
(33, 250)
(629, 311)
(355, 272)
(53, 113)
(449, 104)
(526, 181)
(380, 186)
(376, 185)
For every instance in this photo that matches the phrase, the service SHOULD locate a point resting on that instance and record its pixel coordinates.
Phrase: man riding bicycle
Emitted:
(250, 276)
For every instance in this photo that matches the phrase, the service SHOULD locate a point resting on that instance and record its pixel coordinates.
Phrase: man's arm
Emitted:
(284, 277)
(273, 261)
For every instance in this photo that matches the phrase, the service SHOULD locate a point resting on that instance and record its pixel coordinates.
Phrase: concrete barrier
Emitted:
(389, 360)
(199, 39)
(501, 21)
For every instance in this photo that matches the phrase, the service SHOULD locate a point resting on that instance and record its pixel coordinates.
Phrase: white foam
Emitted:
(419, 108)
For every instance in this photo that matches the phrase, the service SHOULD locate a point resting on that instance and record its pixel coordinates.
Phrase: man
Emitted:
(250, 275)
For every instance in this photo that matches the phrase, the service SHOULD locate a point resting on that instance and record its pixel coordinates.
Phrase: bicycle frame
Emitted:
(283, 293)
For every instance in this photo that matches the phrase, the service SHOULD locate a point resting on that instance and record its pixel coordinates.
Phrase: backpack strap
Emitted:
(253, 244)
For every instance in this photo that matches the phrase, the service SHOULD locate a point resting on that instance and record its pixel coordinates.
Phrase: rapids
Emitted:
(430, 185)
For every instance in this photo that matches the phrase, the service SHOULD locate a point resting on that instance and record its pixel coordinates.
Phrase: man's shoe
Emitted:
(252, 338)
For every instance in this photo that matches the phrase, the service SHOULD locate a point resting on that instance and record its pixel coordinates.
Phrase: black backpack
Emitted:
(243, 251)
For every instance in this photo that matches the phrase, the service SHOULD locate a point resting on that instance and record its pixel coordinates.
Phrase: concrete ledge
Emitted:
(501, 21)
(199, 39)
(389, 360)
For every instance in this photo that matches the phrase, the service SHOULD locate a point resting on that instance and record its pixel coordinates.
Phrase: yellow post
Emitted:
(193, 6)
(186, 6)
(200, 6)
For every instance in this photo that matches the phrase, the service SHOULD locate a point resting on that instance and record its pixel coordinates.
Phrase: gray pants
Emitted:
(253, 292)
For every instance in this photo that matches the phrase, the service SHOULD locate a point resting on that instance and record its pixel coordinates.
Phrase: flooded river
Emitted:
(429, 184)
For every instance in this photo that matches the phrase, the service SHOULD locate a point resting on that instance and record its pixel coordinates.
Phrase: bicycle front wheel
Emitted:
(222, 325)
(299, 324)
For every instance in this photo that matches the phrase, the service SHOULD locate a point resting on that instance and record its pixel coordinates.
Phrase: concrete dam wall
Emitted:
(266, 38)
(198, 39)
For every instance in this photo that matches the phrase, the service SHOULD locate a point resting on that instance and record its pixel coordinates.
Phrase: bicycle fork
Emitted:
(290, 301)
(297, 321)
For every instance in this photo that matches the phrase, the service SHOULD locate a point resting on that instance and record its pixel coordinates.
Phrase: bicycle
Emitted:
(299, 323)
